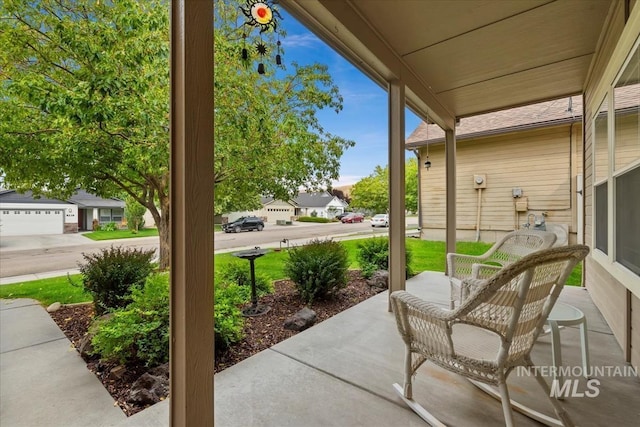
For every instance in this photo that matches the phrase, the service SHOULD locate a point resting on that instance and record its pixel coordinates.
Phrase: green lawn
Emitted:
(121, 234)
(426, 256)
(48, 291)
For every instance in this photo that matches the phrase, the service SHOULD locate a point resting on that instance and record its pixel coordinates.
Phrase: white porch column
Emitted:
(450, 154)
(191, 329)
(397, 267)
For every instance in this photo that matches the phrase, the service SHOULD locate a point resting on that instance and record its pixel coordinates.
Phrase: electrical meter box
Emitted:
(522, 204)
(479, 181)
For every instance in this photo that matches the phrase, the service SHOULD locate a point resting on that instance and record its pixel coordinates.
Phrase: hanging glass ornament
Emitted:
(278, 57)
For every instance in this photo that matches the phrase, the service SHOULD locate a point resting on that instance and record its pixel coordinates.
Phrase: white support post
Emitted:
(397, 267)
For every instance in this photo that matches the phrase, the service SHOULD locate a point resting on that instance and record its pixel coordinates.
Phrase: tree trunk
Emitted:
(164, 231)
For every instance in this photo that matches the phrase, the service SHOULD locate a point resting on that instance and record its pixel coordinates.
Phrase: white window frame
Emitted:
(621, 273)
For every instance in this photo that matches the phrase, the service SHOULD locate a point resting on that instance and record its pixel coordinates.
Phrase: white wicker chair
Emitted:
(492, 332)
(507, 250)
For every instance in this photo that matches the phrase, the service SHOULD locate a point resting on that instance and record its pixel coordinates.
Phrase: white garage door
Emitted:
(24, 222)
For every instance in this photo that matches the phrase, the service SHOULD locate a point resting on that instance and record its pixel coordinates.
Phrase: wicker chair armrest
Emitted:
(422, 324)
(459, 265)
(484, 271)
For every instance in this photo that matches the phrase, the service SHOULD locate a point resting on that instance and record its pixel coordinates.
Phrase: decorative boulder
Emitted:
(300, 321)
(379, 280)
(151, 387)
(54, 307)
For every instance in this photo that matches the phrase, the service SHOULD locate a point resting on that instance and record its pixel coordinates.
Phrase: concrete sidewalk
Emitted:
(43, 380)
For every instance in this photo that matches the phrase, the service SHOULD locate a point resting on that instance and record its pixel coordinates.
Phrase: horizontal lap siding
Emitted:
(539, 162)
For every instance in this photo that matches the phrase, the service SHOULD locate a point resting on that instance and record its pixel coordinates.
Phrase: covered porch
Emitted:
(341, 371)
(444, 60)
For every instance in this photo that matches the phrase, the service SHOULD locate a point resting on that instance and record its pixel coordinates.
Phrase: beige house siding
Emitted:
(543, 163)
(613, 290)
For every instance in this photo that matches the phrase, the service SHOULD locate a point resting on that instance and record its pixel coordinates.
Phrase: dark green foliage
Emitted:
(111, 275)
(228, 319)
(313, 219)
(373, 255)
(318, 269)
(240, 273)
(139, 332)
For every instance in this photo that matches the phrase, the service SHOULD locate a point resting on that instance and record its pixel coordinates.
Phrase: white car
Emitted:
(380, 220)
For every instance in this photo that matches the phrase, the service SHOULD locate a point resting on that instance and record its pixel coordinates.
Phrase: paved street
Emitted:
(20, 255)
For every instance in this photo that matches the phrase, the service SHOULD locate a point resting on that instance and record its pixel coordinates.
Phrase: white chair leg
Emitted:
(407, 392)
(559, 410)
(556, 350)
(584, 346)
(506, 404)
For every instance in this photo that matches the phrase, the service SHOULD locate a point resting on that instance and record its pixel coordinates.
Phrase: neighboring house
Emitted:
(272, 210)
(321, 204)
(517, 166)
(23, 214)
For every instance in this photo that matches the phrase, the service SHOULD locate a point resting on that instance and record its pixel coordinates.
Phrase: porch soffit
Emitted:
(462, 58)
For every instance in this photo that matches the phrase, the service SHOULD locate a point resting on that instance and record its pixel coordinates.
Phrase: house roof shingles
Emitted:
(532, 116)
(81, 198)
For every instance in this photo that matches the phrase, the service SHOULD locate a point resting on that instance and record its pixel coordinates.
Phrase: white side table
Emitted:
(567, 315)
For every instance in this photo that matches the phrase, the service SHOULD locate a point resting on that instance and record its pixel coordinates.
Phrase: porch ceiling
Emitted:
(462, 58)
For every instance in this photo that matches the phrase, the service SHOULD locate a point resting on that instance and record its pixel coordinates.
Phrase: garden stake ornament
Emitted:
(260, 14)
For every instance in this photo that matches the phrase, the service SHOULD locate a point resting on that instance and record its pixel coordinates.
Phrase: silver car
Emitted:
(380, 220)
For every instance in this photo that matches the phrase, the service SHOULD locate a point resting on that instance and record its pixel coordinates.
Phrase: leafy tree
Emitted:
(268, 138)
(84, 101)
(372, 192)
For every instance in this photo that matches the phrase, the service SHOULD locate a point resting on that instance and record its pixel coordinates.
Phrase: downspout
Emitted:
(417, 153)
(478, 216)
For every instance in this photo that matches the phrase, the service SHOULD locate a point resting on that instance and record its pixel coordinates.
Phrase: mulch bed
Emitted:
(261, 332)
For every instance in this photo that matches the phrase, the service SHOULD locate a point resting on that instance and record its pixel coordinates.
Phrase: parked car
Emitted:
(352, 217)
(380, 220)
(248, 223)
(341, 215)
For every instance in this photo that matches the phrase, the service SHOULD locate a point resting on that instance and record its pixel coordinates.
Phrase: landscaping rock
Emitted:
(151, 387)
(300, 321)
(117, 372)
(85, 347)
(54, 307)
(379, 280)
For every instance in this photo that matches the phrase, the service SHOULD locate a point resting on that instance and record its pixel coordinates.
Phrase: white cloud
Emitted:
(294, 41)
(346, 180)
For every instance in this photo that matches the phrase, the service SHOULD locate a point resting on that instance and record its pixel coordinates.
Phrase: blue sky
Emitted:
(364, 115)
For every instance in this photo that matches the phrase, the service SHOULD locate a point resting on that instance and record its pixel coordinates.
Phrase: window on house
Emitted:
(116, 214)
(105, 215)
(600, 171)
(627, 165)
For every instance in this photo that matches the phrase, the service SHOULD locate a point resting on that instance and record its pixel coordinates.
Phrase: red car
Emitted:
(352, 217)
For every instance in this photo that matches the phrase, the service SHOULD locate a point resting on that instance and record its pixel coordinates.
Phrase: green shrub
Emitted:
(318, 269)
(110, 275)
(313, 219)
(110, 226)
(228, 319)
(373, 255)
(240, 274)
(139, 332)
(134, 212)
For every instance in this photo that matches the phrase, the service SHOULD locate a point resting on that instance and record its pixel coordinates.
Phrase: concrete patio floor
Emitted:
(341, 371)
